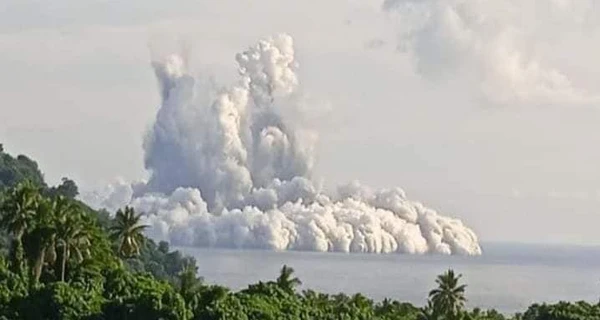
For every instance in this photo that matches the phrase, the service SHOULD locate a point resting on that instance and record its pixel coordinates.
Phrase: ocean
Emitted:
(507, 277)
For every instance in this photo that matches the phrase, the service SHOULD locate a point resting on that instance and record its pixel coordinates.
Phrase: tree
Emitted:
(428, 312)
(448, 298)
(188, 281)
(389, 309)
(68, 189)
(40, 238)
(189, 285)
(16, 212)
(62, 301)
(72, 239)
(563, 311)
(141, 296)
(127, 230)
(15, 170)
(285, 280)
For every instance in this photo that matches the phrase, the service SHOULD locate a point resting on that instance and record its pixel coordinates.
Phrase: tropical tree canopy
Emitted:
(448, 299)
(128, 231)
(286, 280)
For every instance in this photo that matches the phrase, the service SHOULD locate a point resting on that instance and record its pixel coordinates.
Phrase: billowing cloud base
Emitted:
(232, 169)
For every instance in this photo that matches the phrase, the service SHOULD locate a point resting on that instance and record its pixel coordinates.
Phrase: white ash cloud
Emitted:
(502, 49)
(232, 169)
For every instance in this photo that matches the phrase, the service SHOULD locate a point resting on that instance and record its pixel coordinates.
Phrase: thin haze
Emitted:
(486, 111)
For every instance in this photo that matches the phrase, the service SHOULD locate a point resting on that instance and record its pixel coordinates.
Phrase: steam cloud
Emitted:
(496, 45)
(232, 169)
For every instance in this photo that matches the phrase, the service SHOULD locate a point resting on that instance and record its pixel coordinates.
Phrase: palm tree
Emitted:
(189, 284)
(449, 297)
(43, 234)
(72, 239)
(285, 280)
(127, 230)
(16, 212)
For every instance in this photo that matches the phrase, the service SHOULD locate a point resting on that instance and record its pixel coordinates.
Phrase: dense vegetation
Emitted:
(62, 260)
(14, 170)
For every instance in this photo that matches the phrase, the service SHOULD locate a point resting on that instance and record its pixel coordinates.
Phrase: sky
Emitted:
(486, 111)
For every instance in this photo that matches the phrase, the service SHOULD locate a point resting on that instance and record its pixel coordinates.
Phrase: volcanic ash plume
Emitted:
(232, 169)
(506, 50)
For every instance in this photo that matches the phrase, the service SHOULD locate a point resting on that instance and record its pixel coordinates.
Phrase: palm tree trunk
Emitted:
(39, 264)
(16, 255)
(13, 255)
(63, 264)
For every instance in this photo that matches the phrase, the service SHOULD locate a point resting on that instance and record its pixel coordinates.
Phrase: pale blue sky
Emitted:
(473, 120)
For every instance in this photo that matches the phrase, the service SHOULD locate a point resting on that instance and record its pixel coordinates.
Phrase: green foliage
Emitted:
(286, 280)
(13, 287)
(17, 211)
(61, 301)
(189, 285)
(388, 310)
(477, 314)
(159, 261)
(16, 170)
(448, 299)
(68, 189)
(127, 231)
(563, 311)
(217, 303)
(141, 296)
(98, 257)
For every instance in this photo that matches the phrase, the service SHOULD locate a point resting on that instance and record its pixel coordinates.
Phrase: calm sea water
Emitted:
(507, 277)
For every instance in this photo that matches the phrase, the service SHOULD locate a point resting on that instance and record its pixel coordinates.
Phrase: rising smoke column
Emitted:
(230, 170)
(238, 141)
